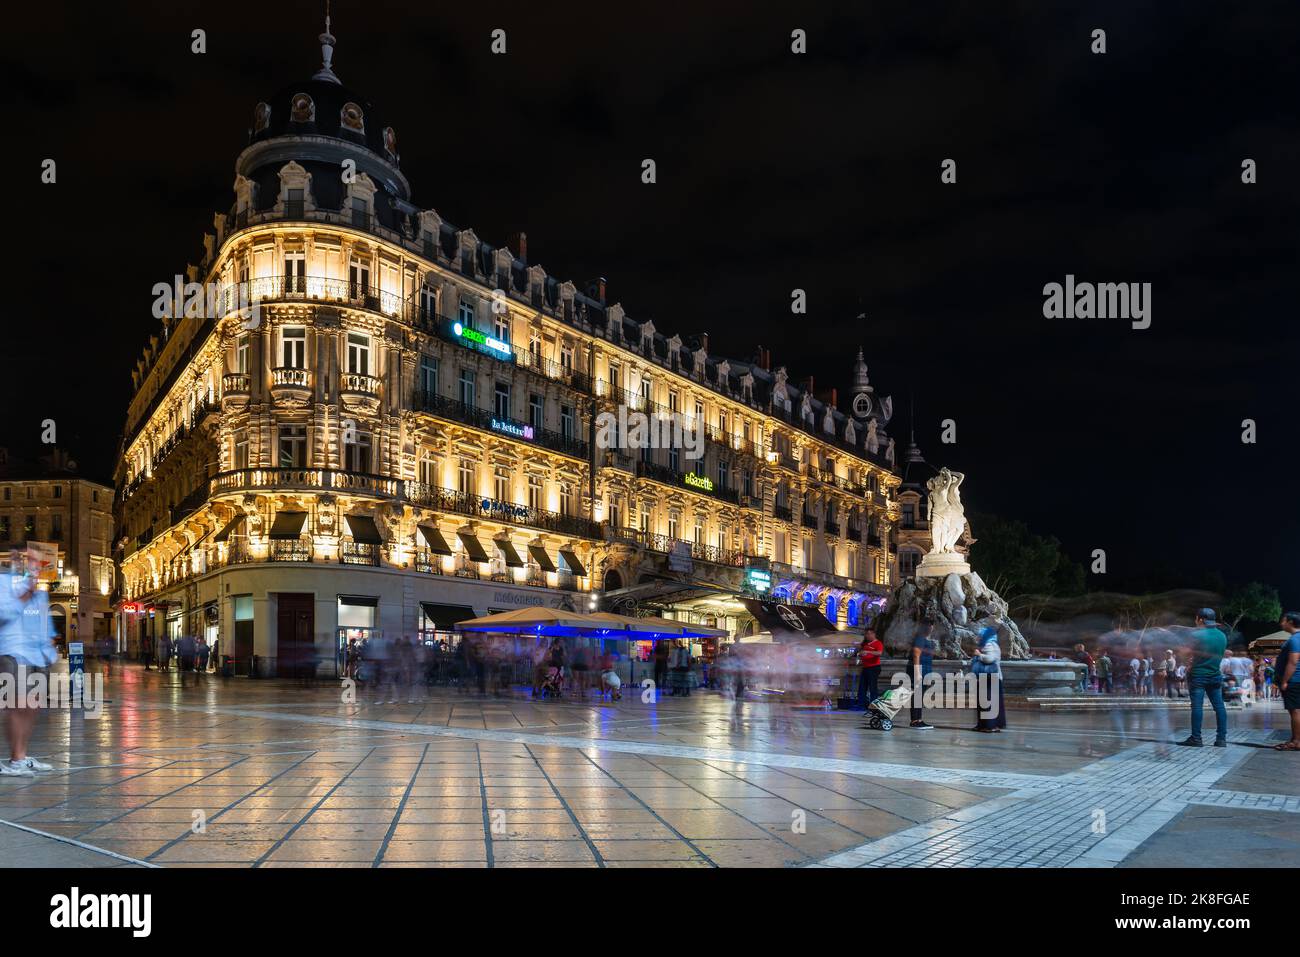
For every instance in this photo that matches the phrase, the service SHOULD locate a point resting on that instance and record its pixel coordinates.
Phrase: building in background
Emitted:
(46, 501)
(402, 433)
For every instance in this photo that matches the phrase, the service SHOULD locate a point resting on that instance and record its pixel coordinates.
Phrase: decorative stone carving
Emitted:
(960, 605)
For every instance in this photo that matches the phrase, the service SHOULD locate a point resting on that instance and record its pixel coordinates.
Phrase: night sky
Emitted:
(776, 172)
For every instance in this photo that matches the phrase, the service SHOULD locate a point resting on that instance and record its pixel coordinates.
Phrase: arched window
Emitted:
(810, 596)
(831, 609)
(853, 612)
(781, 593)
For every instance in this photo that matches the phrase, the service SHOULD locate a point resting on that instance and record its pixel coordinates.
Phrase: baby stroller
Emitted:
(883, 710)
(552, 683)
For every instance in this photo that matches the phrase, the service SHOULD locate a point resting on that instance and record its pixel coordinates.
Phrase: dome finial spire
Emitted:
(326, 51)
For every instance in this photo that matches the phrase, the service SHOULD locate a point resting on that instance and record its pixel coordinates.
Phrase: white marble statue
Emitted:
(889, 452)
(873, 440)
(944, 510)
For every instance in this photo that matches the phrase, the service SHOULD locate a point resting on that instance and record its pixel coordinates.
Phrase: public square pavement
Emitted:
(280, 775)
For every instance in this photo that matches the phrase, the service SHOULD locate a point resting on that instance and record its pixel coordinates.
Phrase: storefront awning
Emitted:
(288, 524)
(543, 560)
(571, 560)
(226, 532)
(473, 547)
(791, 621)
(446, 617)
(437, 544)
(364, 530)
(508, 552)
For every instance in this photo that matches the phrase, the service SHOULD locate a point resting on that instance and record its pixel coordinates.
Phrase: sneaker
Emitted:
(36, 765)
(17, 769)
(1191, 743)
(922, 726)
(1221, 743)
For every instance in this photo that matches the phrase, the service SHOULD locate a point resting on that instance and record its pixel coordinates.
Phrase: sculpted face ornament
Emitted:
(352, 118)
(303, 110)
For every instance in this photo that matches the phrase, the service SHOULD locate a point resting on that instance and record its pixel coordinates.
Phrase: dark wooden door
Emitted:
(295, 634)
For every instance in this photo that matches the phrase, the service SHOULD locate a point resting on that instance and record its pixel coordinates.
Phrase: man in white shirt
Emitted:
(1135, 674)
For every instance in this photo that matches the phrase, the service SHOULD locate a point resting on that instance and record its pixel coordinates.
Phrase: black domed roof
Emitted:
(316, 107)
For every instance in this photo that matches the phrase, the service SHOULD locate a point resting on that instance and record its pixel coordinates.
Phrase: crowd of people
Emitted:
(1142, 672)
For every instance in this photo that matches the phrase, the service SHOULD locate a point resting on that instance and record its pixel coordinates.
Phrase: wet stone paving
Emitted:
(245, 773)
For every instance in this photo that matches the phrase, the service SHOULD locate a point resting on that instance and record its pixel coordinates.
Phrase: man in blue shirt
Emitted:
(1208, 644)
(1286, 671)
(922, 663)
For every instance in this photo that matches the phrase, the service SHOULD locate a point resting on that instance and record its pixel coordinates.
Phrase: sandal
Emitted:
(1287, 746)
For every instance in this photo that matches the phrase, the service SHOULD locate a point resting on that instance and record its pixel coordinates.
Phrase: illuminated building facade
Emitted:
(48, 502)
(400, 432)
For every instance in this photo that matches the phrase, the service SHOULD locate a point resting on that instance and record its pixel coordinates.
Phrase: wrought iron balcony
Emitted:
(289, 550)
(477, 506)
(456, 411)
(359, 553)
(808, 521)
(783, 512)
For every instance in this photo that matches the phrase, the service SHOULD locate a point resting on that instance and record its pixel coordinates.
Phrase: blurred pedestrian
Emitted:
(202, 653)
(987, 666)
(922, 663)
(1105, 679)
(27, 649)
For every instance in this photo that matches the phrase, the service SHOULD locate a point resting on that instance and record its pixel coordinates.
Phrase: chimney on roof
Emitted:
(596, 289)
(519, 243)
(808, 386)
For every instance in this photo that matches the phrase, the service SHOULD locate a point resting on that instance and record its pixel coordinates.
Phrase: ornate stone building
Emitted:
(47, 501)
(400, 431)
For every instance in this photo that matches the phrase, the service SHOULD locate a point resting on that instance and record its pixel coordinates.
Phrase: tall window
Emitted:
(503, 400)
(428, 303)
(534, 492)
(295, 271)
(672, 458)
(501, 325)
(429, 375)
(672, 524)
(645, 517)
(535, 411)
(613, 378)
(360, 212)
(615, 512)
(293, 346)
(428, 469)
(56, 527)
(294, 202)
(501, 485)
(358, 354)
(566, 358)
(359, 278)
(356, 452)
(241, 450)
(724, 474)
(293, 446)
(566, 421)
(465, 476)
(466, 313)
(467, 386)
(672, 401)
(699, 531)
(566, 498)
(241, 355)
(4, 528)
(645, 392)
